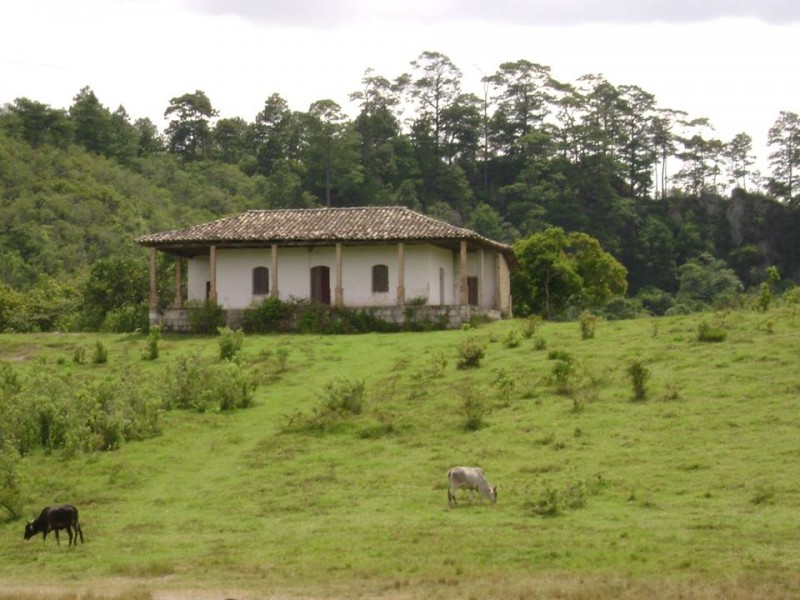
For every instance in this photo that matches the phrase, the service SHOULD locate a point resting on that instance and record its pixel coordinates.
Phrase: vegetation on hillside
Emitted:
(78, 184)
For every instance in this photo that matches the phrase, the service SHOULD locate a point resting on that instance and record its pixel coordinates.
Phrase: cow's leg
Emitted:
(451, 496)
(57, 540)
(80, 532)
(69, 533)
(470, 495)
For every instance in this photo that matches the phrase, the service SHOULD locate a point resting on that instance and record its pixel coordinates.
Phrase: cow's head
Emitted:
(29, 531)
(493, 494)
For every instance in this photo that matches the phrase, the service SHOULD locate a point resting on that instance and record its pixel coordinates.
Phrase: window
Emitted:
(380, 278)
(260, 281)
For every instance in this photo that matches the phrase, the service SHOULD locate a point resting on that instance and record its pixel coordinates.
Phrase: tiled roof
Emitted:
(314, 225)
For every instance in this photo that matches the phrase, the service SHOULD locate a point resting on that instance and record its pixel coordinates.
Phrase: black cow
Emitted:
(54, 518)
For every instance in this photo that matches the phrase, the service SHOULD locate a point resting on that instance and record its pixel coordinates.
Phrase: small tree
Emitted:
(639, 374)
(765, 289)
(100, 353)
(588, 322)
(230, 343)
(470, 353)
(152, 343)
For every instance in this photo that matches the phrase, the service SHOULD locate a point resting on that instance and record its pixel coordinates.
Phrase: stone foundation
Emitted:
(451, 317)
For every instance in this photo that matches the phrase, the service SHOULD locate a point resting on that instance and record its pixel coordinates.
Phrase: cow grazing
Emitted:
(471, 478)
(55, 518)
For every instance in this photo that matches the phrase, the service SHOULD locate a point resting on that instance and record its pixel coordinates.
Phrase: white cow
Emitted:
(471, 478)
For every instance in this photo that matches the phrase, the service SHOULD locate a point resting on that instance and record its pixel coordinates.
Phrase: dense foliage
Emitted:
(648, 183)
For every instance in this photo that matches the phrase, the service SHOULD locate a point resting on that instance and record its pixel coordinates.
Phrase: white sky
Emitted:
(733, 61)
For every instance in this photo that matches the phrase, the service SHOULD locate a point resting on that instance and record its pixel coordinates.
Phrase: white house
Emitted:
(377, 257)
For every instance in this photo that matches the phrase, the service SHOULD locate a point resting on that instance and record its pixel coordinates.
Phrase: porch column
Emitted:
(481, 278)
(273, 273)
(212, 274)
(178, 295)
(153, 288)
(339, 292)
(401, 274)
(497, 291)
(462, 275)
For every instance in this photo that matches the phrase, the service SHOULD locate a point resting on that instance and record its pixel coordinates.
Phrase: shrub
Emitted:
(282, 354)
(639, 374)
(185, 383)
(152, 343)
(270, 316)
(470, 353)
(473, 408)
(344, 396)
(10, 489)
(201, 385)
(512, 339)
(540, 344)
(552, 501)
(9, 380)
(228, 386)
(561, 376)
(100, 353)
(436, 364)
(620, 307)
(230, 343)
(205, 317)
(127, 319)
(709, 333)
(655, 300)
(588, 322)
(532, 323)
(547, 504)
(559, 355)
(79, 355)
(505, 387)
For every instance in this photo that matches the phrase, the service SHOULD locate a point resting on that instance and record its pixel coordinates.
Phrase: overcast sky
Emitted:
(733, 61)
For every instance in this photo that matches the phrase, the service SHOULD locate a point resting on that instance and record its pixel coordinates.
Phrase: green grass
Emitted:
(692, 491)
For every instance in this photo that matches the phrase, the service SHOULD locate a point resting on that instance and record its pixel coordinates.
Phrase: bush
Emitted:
(505, 387)
(709, 333)
(588, 323)
(228, 386)
(532, 323)
(473, 408)
(655, 301)
(552, 501)
(205, 317)
(10, 490)
(513, 339)
(230, 343)
(561, 376)
(152, 343)
(344, 396)
(639, 374)
(79, 355)
(620, 307)
(270, 316)
(100, 353)
(127, 319)
(470, 353)
(200, 385)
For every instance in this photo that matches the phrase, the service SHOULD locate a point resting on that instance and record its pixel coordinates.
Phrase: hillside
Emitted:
(689, 492)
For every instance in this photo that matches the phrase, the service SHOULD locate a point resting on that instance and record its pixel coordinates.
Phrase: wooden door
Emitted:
(321, 285)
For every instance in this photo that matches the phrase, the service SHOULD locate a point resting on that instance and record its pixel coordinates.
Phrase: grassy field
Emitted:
(692, 492)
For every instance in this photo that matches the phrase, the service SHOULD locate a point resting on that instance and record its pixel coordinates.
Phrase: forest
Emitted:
(688, 216)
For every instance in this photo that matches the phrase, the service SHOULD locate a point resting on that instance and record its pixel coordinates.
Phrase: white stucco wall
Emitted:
(430, 273)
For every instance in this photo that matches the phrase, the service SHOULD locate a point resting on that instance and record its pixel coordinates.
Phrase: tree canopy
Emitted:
(651, 185)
